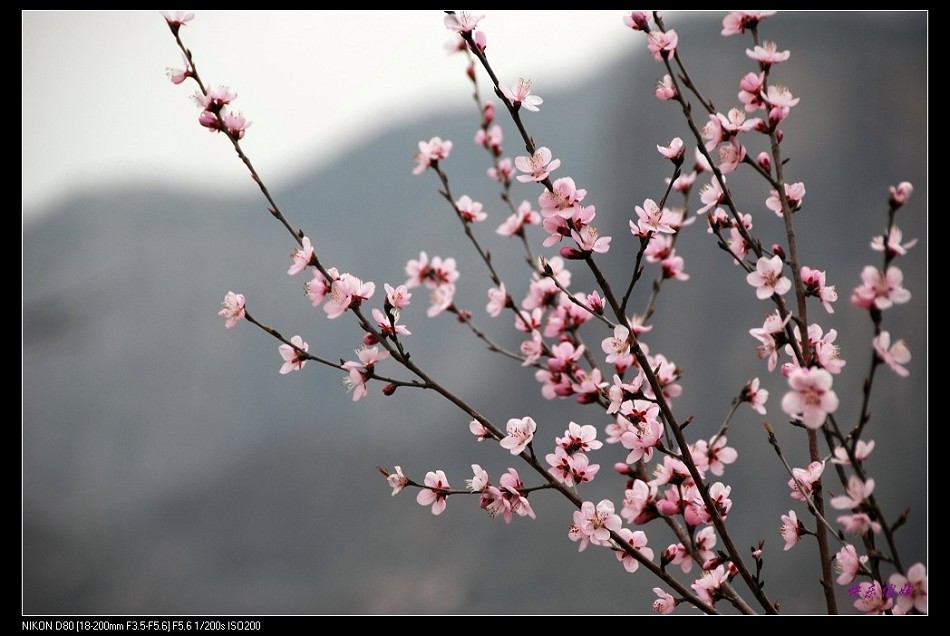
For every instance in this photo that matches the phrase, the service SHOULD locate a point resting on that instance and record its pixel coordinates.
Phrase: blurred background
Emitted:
(168, 468)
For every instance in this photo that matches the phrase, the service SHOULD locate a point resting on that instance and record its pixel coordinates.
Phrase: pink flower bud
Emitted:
(764, 161)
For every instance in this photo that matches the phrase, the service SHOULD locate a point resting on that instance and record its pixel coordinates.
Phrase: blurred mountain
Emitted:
(168, 468)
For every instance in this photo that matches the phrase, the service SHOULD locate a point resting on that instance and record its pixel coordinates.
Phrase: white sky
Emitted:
(99, 111)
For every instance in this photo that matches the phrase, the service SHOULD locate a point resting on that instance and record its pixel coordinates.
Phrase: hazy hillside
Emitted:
(168, 468)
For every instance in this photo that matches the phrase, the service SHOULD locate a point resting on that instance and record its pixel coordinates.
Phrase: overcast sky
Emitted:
(99, 111)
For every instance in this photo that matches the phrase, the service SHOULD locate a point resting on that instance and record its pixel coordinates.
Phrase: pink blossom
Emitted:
(594, 524)
(491, 139)
(871, 599)
(470, 211)
(232, 308)
(302, 257)
(768, 278)
(502, 171)
(767, 54)
(209, 120)
(848, 563)
(436, 483)
(179, 75)
(805, 478)
(731, 154)
(318, 287)
(638, 541)
(397, 480)
(638, 20)
(521, 96)
(431, 152)
(345, 292)
(236, 124)
(665, 603)
(711, 195)
(735, 122)
(515, 224)
(707, 588)
(639, 502)
(532, 349)
(294, 360)
(216, 98)
(750, 91)
(791, 529)
(479, 481)
(674, 151)
(520, 433)
(386, 326)
(538, 166)
(893, 247)
(858, 491)
(662, 44)
(755, 396)
(176, 19)
(794, 193)
(895, 356)
(641, 439)
(360, 371)
(659, 247)
(589, 240)
(811, 398)
(398, 297)
(827, 353)
(497, 300)
(462, 22)
(579, 439)
(781, 100)
(764, 161)
(736, 22)
(859, 524)
(814, 282)
(882, 290)
(861, 451)
(912, 590)
(618, 345)
(718, 455)
(665, 89)
(674, 267)
(478, 430)
(900, 193)
(653, 219)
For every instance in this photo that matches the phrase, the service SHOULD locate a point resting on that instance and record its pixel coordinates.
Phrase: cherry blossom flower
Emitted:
(638, 541)
(755, 396)
(302, 257)
(791, 529)
(436, 482)
(520, 434)
(209, 120)
(397, 480)
(653, 219)
(641, 439)
(781, 100)
(538, 166)
(871, 599)
(638, 20)
(589, 240)
(639, 502)
(216, 98)
(711, 195)
(360, 371)
(179, 75)
(345, 292)
(462, 22)
(707, 588)
(318, 287)
(502, 171)
(479, 481)
(768, 278)
(861, 451)
(491, 139)
(176, 19)
(579, 439)
(718, 455)
(674, 151)
(814, 282)
(294, 360)
(479, 431)
(848, 564)
(386, 326)
(900, 193)
(236, 124)
(497, 300)
(806, 478)
(618, 345)
(811, 398)
(521, 96)
(750, 91)
(736, 22)
(514, 225)
(594, 524)
(665, 89)
(673, 267)
(859, 524)
(561, 198)
(470, 211)
(662, 44)
(794, 193)
(893, 247)
(882, 290)
(232, 308)
(398, 297)
(665, 603)
(895, 356)
(431, 152)
(767, 54)
(731, 154)
(858, 491)
(912, 590)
